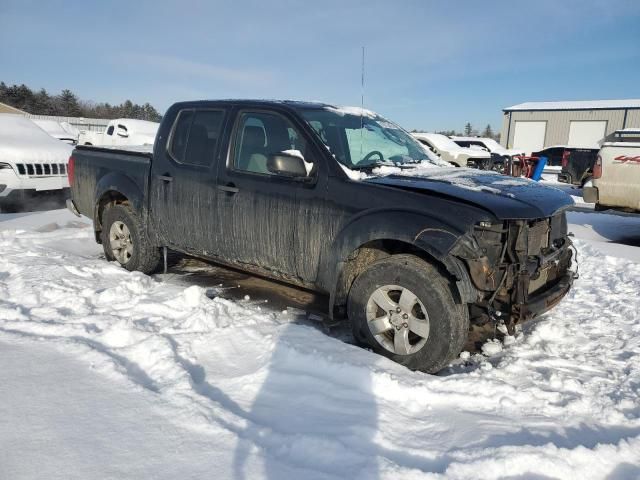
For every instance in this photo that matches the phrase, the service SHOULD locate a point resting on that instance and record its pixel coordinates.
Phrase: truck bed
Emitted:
(98, 170)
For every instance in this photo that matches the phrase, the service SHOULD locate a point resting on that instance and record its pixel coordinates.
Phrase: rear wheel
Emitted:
(125, 240)
(404, 309)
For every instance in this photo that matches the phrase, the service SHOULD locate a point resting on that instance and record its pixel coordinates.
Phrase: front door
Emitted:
(183, 189)
(259, 210)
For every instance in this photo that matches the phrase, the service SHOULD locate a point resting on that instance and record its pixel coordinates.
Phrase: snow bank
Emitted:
(245, 392)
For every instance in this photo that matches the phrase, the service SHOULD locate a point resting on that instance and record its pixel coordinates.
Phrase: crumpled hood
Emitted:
(505, 197)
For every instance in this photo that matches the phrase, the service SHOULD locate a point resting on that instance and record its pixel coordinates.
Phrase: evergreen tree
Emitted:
(42, 103)
(488, 132)
(468, 129)
(68, 104)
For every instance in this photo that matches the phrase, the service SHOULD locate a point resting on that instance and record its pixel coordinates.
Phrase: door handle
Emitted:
(166, 178)
(229, 188)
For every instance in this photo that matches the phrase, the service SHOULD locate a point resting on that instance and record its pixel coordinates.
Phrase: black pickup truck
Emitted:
(341, 201)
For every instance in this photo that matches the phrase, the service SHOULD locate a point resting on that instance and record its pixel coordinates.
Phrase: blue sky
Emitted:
(429, 64)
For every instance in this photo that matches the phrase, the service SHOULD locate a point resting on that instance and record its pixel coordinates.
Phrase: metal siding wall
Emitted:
(558, 122)
(505, 129)
(633, 118)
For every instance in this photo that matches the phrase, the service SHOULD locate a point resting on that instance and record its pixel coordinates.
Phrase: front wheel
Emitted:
(404, 309)
(125, 240)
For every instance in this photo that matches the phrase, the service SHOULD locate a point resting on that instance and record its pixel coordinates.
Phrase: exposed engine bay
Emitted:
(519, 268)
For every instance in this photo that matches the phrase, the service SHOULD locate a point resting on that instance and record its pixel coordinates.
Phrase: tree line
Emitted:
(67, 104)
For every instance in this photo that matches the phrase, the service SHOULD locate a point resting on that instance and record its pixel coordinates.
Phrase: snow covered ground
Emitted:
(111, 374)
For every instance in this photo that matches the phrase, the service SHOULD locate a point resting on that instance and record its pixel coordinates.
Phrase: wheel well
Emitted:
(360, 259)
(109, 197)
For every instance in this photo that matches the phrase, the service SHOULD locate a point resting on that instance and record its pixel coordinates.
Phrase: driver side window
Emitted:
(259, 135)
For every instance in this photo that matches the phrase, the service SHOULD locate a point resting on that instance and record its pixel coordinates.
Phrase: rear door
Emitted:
(260, 211)
(183, 182)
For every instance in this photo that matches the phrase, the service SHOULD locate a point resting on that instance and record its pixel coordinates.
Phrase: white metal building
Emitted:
(533, 126)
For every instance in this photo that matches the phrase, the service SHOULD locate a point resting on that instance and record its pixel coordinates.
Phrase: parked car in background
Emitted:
(63, 131)
(31, 161)
(487, 144)
(122, 131)
(555, 153)
(577, 165)
(616, 173)
(342, 201)
(499, 154)
(453, 153)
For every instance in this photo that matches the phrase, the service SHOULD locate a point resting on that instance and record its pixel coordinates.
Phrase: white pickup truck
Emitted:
(31, 161)
(453, 153)
(616, 174)
(122, 131)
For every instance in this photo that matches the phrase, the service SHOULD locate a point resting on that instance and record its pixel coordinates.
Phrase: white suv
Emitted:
(31, 161)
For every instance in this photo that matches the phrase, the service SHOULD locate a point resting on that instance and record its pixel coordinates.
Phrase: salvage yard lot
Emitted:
(160, 377)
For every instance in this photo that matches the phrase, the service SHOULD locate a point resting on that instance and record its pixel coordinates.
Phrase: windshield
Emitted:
(367, 140)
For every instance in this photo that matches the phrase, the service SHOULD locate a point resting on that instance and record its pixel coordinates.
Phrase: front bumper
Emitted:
(12, 183)
(541, 302)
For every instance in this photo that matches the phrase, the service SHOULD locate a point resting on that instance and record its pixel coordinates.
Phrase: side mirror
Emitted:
(122, 132)
(287, 164)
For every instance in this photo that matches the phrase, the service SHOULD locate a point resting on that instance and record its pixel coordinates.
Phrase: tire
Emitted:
(600, 208)
(143, 256)
(447, 321)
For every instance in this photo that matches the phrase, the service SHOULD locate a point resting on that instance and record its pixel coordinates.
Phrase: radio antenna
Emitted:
(361, 102)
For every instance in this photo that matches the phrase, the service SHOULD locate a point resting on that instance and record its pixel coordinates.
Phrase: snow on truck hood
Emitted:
(22, 141)
(505, 197)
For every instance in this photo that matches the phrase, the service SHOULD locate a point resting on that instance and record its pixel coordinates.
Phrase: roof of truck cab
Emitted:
(252, 101)
(295, 104)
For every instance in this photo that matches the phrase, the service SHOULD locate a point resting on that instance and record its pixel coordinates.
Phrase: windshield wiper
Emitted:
(372, 165)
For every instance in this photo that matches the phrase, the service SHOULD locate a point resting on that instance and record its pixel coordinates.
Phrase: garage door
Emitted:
(586, 133)
(529, 136)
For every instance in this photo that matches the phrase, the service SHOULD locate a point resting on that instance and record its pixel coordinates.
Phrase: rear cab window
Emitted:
(195, 136)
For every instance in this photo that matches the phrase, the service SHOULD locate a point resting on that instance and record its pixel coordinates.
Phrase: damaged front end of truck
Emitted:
(519, 269)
